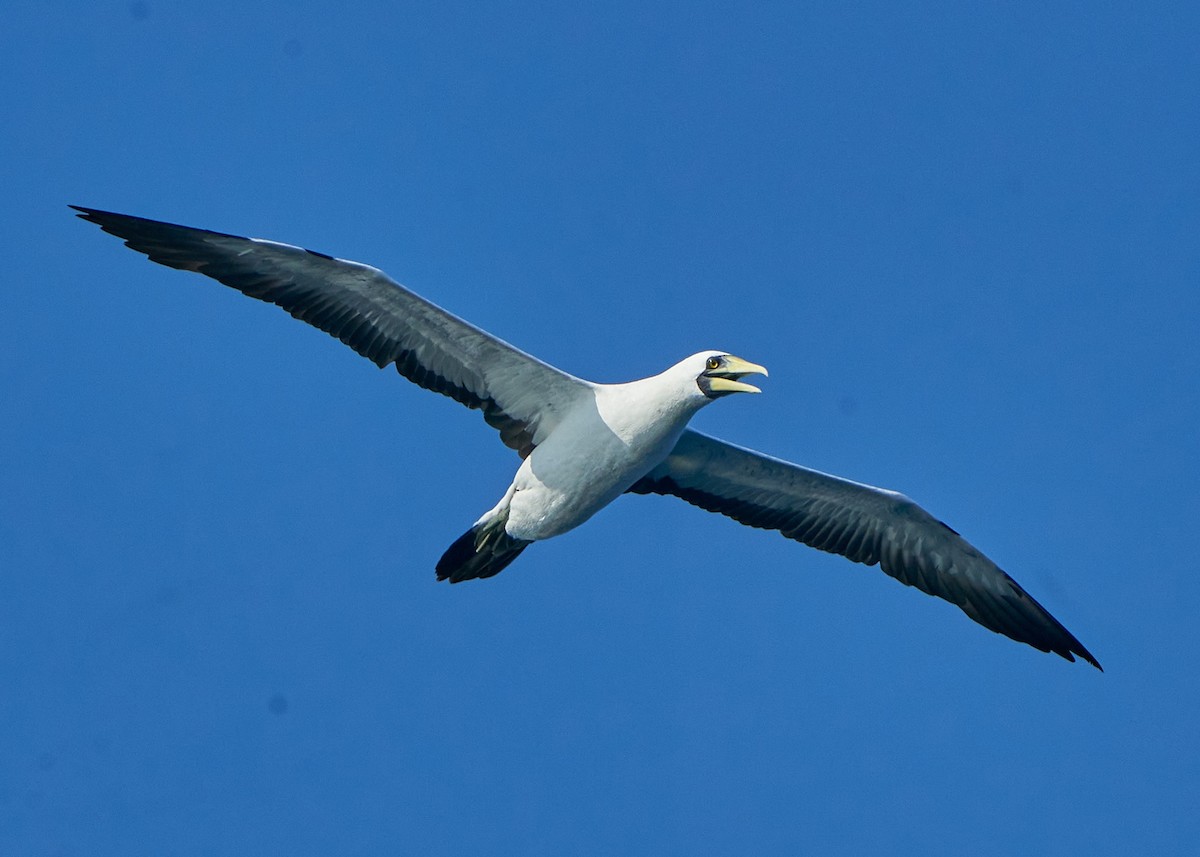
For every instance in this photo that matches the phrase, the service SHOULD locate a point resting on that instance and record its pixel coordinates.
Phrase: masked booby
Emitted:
(584, 444)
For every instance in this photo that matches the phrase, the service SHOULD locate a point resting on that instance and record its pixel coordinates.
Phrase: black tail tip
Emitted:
(479, 552)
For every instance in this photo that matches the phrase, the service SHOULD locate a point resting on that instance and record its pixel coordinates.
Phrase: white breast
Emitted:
(602, 447)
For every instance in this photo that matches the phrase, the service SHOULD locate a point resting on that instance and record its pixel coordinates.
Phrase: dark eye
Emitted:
(713, 363)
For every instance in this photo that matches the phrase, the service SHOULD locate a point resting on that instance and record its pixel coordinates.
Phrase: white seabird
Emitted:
(584, 444)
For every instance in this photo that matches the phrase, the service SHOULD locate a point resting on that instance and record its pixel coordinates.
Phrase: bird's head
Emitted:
(719, 374)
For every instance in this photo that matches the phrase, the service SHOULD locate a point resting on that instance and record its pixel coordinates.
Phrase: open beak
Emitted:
(727, 378)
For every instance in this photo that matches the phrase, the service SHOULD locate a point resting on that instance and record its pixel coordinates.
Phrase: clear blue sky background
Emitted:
(963, 237)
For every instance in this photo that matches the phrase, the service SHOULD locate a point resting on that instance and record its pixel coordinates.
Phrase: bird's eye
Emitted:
(713, 363)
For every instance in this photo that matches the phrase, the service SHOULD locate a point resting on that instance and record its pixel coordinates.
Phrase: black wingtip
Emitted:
(95, 215)
(1070, 648)
(1087, 656)
(122, 225)
(109, 220)
(1067, 645)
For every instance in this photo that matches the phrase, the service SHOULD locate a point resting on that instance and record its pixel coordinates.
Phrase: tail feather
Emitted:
(481, 551)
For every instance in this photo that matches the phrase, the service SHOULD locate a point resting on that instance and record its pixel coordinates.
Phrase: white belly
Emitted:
(581, 468)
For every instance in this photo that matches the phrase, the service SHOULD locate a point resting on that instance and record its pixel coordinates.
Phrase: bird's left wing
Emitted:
(519, 395)
(865, 524)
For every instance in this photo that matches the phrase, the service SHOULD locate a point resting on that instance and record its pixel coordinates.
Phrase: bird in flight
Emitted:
(584, 444)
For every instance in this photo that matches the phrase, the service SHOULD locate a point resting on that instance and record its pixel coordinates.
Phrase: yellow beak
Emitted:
(727, 377)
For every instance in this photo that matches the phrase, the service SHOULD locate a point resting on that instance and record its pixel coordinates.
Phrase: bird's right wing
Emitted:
(865, 524)
(519, 395)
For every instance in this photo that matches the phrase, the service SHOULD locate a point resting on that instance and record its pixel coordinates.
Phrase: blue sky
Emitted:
(962, 238)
